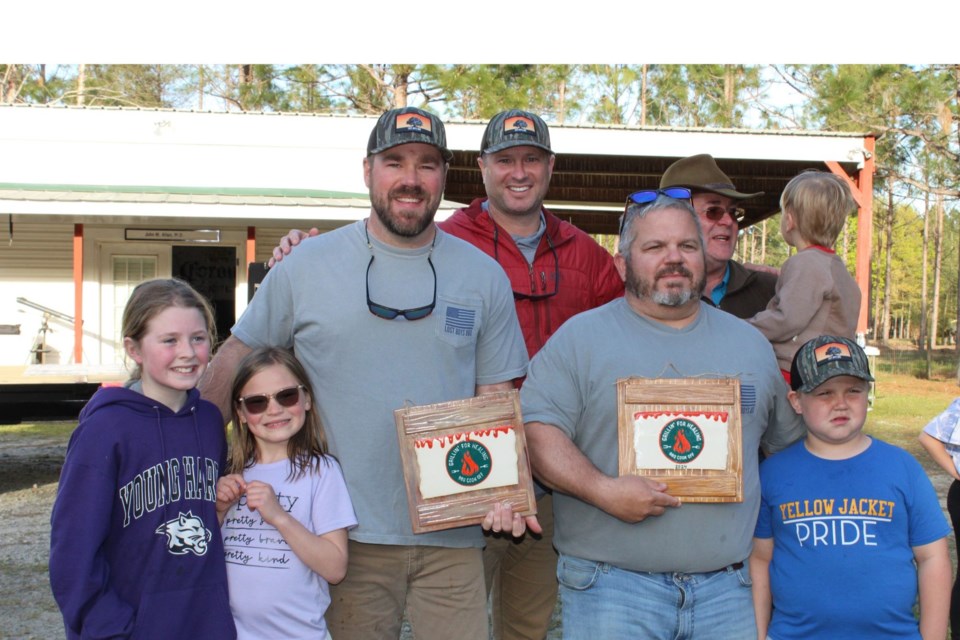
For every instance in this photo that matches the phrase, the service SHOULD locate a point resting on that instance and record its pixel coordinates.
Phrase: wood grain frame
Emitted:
(687, 396)
(458, 417)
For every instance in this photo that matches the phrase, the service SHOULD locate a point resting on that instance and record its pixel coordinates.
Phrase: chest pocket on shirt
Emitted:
(458, 320)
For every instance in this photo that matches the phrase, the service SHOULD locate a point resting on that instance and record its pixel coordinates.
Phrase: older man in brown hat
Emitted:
(730, 285)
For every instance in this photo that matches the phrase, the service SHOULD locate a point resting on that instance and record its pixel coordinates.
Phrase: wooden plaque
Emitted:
(684, 432)
(462, 457)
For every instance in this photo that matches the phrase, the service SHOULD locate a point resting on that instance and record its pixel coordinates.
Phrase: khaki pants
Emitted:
(441, 589)
(521, 577)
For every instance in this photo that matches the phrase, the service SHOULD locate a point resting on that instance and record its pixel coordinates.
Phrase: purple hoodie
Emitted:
(135, 547)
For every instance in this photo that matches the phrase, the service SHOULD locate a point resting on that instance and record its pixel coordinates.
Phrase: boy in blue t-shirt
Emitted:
(843, 517)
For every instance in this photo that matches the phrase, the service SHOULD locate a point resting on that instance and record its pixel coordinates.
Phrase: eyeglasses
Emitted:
(389, 313)
(716, 213)
(520, 295)
(649, 195)
(259, 402)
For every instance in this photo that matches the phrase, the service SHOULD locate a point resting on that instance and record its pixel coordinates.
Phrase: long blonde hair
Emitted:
(307, 448)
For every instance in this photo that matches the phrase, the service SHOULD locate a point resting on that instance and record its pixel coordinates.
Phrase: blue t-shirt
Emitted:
(843, 536)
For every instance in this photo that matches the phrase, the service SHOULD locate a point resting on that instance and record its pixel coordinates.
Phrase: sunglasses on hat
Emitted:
(649, 195)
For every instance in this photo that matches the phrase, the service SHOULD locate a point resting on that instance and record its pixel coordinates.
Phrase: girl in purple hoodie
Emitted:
(135, 546)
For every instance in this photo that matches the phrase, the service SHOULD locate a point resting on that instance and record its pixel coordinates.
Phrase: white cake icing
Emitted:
(491, 464)
(668, 440)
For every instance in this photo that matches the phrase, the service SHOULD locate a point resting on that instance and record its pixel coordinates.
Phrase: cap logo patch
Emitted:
(520, 124)
(412, 123)
(832, 352)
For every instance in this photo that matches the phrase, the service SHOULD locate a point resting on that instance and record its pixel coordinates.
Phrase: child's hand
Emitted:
(262, 498)
(229, 490)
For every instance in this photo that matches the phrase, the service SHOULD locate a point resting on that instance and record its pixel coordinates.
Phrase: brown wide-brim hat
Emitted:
(701, 173)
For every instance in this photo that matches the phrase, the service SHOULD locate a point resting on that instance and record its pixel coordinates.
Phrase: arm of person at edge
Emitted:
(289, 241)
(760, 558)
(559, 464)
(501, 517)
(934, 580)
(218, 378)
(939, 453)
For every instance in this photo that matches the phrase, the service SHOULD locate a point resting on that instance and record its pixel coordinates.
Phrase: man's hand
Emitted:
(501, 518)
(632, 498)
(762, 268)
(288, 242)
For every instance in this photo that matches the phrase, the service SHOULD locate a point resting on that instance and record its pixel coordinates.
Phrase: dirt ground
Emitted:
(28, 474)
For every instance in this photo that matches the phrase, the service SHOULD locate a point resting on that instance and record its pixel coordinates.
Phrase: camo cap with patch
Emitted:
(827, 357)
(515, 128)
(405, 125)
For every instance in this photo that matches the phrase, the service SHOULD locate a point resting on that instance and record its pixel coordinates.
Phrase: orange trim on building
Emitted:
(78, 293)
(251, 245)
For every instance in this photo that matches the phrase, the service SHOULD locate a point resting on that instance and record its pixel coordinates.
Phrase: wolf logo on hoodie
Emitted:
(185, 533)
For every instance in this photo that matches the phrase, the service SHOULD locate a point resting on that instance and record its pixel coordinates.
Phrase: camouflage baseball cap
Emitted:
(515, 128)
(409, 124)
(827, 357)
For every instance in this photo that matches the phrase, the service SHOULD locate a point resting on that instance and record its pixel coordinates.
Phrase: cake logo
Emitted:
(681, 441)
(468, 463)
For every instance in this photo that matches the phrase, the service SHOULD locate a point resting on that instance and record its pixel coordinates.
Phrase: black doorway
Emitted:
(213, 272)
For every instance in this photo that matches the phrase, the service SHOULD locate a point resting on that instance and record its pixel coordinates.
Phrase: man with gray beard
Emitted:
(633, 562)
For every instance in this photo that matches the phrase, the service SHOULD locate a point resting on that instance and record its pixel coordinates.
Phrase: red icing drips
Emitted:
(720, 416)
(451, 439)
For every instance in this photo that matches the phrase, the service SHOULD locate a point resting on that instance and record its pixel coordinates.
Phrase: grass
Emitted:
(59, 429)
(903, 405)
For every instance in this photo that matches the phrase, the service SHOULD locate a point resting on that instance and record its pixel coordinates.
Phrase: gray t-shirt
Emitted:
(572, 385)
(363, 367)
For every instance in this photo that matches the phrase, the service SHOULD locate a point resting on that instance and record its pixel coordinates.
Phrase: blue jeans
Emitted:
(601, 601)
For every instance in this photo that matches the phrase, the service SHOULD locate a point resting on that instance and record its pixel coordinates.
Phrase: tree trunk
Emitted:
(937, 261)
(729, 93)
(81, 84)
(201, 87)
(400, 84)
(561, 100)
(887, 264)
(11, 84)
(763, 242)
(643, 95)
(925, 259)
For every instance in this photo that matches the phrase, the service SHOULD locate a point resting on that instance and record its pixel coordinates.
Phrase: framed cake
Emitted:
(684, 432)
(462, 457)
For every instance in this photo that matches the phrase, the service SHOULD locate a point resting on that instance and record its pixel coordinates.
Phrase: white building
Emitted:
(92, 201)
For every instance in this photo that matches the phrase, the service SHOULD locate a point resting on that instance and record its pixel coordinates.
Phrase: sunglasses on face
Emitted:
(649, 195)
(715, 213)
(259, 402)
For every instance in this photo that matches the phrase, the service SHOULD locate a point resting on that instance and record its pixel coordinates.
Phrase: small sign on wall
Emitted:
(173, 235)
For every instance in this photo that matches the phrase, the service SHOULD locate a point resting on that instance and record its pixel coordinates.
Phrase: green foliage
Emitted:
(913, 109)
